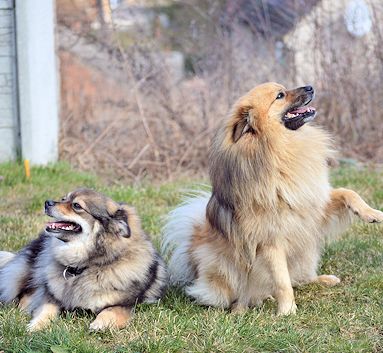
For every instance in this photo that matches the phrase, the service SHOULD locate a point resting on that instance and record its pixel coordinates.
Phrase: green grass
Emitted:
(346, 318)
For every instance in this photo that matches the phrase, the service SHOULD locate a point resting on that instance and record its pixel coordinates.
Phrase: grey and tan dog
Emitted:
(94, 256)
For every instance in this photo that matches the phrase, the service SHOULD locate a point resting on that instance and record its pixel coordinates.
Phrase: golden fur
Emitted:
(262, 229)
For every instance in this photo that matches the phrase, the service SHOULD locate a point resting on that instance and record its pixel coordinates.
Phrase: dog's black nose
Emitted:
(49, 203)
(308, 88)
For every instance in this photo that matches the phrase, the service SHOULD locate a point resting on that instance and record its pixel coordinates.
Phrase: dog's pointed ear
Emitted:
(119, 224)
(240, 129)
(242, 124)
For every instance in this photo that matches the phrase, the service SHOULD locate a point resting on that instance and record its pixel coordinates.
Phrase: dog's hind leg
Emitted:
(327, 280)
(5, 257)
(25, 301)
(212, 288)
(112, 317)
(42, 316)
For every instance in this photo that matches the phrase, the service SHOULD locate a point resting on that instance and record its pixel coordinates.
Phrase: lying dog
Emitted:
(262, 229)
(94, 255)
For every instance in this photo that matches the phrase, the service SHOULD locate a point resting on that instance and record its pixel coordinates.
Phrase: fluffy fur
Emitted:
(262, 229)
(94, 256)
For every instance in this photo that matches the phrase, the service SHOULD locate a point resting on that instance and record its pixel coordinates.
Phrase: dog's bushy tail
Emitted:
(5, 257)
(14, 271)
(177, 233)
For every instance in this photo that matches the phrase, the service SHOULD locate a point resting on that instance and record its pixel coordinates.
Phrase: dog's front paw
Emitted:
(99, 325)
(112, 317)
(370, 215)
(287, 308)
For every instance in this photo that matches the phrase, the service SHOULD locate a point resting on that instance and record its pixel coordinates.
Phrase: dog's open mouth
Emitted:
(63, 226)
(297, 117)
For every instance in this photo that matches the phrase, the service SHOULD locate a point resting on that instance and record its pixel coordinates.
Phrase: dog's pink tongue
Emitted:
(301, 110)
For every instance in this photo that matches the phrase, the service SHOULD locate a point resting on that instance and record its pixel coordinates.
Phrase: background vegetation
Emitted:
(143, 90)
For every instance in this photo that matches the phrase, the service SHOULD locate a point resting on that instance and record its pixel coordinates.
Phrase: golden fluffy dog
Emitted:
(261, 230)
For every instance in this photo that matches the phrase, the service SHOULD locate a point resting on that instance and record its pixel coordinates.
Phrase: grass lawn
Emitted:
(345, 318)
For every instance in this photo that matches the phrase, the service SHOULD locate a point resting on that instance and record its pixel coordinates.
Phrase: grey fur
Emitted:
(117, 263)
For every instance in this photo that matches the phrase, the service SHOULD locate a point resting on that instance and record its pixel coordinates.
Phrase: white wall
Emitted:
(37, 80)
(8, 97)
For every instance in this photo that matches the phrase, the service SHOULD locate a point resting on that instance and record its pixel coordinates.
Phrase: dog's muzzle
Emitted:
(299, 112)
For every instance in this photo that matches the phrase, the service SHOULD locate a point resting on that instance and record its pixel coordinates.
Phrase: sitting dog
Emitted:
(94, 256)
(262, 229)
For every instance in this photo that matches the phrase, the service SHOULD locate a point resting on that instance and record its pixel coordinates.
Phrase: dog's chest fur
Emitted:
(96, 287)
(286, 204)
(93, 289)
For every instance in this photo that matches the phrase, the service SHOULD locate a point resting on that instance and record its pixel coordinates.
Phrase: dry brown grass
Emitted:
(130, 119)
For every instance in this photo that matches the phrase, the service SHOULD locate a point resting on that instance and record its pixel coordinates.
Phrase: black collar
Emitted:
(73, 271)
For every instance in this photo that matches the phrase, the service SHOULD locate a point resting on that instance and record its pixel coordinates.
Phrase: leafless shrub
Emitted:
(128, 116)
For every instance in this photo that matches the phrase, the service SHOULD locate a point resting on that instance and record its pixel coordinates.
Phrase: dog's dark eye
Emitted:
(280, 95)
(76, 206)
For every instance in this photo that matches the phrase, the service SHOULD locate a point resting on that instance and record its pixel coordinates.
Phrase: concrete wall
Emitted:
(8, 91)
(37, 80)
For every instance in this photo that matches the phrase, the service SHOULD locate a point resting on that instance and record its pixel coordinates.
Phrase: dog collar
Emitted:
(72, 271)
